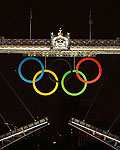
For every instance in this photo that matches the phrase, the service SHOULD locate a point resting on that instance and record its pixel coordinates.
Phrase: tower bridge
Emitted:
(59, 46)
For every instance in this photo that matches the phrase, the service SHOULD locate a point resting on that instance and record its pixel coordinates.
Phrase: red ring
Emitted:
(99, 66)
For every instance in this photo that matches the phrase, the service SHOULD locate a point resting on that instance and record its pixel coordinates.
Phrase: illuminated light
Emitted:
(41, 93)
(71, 131)
(66, 91)
(54, 142)
(20, 66)
(99, 133)
(92, 48)
(9, 43)
(99, 66)
(23, 131)
(60, 135)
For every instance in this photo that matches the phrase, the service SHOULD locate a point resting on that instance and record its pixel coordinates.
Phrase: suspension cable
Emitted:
(116, 119)
(9, 85)
(5, 122)
(108, 70)
(45, 62)
(74, 63)
(93, 102)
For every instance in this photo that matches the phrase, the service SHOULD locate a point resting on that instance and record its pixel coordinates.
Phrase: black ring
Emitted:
(49, 67)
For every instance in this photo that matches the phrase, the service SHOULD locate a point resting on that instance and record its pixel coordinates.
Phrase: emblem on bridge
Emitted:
(60, 41)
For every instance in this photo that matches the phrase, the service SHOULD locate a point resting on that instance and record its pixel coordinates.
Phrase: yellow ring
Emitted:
(41, 93)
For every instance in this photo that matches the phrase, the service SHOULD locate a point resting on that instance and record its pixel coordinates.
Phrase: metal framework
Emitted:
(16, 135)
(59, 46)
(46, 51)
(101, 135)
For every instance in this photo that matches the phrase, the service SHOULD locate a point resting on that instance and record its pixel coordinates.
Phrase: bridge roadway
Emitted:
(46, 51)
(106, 137)
(44, 48)
(13, 136)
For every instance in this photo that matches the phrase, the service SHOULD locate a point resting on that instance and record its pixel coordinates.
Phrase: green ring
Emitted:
(69, 93)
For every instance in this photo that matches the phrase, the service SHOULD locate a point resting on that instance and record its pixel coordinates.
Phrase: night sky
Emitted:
(73, 18)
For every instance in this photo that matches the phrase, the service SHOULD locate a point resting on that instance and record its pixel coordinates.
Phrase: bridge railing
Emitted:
(73, 42)
(23, 129)
(94, 129)
(104, 136)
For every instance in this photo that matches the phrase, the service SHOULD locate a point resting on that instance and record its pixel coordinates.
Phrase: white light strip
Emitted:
(97, 132)
(22, 132)
(25, 48)
(90, 49)
(48, 48)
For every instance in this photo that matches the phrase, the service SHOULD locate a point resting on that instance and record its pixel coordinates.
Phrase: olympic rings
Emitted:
(41, 93)
(22, 62)
(78, 73)
(69, 93)
(99, 74)
(49, 67)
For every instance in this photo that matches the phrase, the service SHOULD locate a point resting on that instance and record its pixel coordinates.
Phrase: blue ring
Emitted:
(20, 66)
